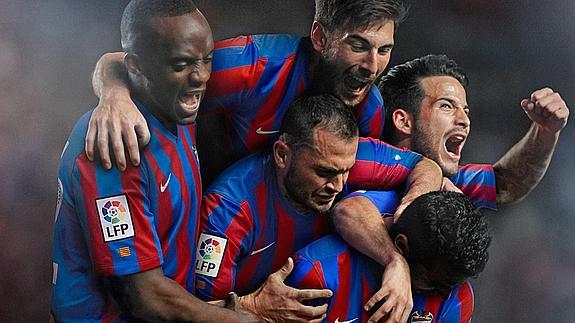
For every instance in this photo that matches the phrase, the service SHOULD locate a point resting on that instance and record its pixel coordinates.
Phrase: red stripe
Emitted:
(235, 80)
(358, 109)
(101, 255)
(285, 237)
(339, 307)
(376, 124)
(466, 299)
(144, 244)
(366, 293)
(478, 167)
(240, 41)
(478, 191)
(369, 174)
(432, 303)
(209, 203)
(314, 278)
(236, 232)
(267, 112)
(244, 276)
(321, 226)
(165, 211)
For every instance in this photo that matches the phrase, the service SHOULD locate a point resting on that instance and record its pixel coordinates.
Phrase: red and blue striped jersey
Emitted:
(353, 278)
(255, 78)
(476, 181)
(112, 223)
(248, 229)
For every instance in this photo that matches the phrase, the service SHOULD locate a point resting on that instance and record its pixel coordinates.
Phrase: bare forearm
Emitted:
(110, 73)
(157, 298)
(425, 177)
(523, 166)
(359, 223)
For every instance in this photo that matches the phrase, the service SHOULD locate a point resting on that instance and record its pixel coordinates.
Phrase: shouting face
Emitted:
(442, 125)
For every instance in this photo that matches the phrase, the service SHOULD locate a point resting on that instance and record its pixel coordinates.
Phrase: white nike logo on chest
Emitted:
(165, 185)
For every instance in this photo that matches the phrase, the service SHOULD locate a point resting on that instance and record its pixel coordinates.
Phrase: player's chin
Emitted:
(185, 117)
(449, 168)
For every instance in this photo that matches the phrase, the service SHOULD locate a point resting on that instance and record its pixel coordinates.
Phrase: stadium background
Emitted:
(508, 48)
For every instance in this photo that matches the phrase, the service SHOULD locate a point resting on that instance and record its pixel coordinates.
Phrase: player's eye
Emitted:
(179, 66)
(446, 106)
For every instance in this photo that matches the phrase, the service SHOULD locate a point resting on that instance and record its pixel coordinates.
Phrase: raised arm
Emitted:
(116, 118)
(424, 178)
(523, 166)
(152, 296)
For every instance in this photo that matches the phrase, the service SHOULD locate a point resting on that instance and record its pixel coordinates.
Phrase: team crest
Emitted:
(209, 254)
(115, 218)
(421, 317)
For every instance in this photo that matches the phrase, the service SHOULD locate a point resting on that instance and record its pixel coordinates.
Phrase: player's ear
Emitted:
(132, 63)
(403, 121)
(318, 36)
(281, 153)
(402, 244)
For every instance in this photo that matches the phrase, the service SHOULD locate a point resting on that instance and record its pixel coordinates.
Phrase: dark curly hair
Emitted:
(445, 227)
(323, 111)
(401, 86)
(346, 14)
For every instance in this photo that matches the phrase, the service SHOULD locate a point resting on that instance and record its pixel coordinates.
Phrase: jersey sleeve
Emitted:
(224, 240)
(385, 201)
(114, 212)
(477, 181)
(236, 70)
(379, 165)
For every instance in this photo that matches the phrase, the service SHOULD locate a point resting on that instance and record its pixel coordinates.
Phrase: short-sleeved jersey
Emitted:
(477, 182)
(248, 229)
(353, 278)
(255, 78)
(112, 223)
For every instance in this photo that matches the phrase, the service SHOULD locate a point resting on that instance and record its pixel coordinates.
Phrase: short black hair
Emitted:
(138, 14)
(349, 14)
(445, 227)
(309, 113)
(401, 86)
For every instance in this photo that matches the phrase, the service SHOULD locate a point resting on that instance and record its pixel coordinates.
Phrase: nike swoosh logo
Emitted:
(165, 185)
(255, 252)
(338, 321)
(259, 131)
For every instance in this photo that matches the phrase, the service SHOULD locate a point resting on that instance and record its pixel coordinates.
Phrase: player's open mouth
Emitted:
(454, 145)
(190, 101)
(356, 85)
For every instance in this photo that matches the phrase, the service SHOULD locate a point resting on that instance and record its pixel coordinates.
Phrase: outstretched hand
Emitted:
(117, 123)
(276, 302)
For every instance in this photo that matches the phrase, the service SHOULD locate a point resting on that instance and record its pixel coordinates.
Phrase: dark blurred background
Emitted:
(508, 48)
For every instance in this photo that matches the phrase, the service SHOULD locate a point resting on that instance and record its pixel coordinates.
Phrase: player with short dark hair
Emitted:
(442, 236)
(124, 241)
(271, 204)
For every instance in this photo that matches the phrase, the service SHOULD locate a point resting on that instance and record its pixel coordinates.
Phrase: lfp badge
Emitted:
(115, 218)
(209, 254)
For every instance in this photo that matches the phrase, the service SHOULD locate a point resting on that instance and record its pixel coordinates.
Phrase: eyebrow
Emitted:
(364, 40)
(451, 101)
